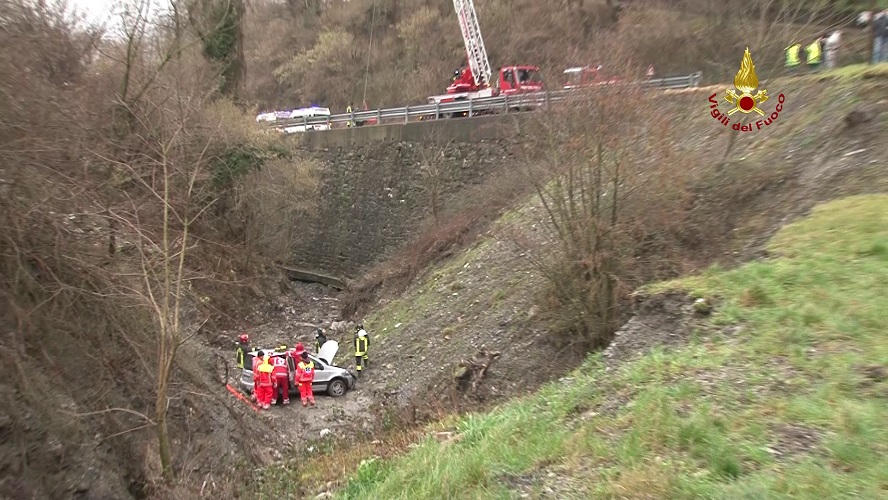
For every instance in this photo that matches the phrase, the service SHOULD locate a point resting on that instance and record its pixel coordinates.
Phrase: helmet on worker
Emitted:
(244, 338)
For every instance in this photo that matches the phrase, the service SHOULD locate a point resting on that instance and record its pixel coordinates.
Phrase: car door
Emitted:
(246, 378)
(323, 374)
(291, 369)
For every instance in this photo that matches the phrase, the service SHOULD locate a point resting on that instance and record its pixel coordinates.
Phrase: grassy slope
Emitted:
(793, 405)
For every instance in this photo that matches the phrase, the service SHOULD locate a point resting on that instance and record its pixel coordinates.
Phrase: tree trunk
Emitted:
(163, 435)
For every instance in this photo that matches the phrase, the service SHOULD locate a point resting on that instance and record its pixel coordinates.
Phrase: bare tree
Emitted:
(435, 172)
(170, 174)
(606, 190)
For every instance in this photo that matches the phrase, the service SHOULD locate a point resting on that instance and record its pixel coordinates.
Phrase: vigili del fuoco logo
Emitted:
(745, 99)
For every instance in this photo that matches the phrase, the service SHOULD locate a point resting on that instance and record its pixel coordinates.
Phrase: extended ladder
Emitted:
(471, 33)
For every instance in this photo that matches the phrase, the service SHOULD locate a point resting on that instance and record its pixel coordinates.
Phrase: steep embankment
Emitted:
(829, 142)
(779, 390)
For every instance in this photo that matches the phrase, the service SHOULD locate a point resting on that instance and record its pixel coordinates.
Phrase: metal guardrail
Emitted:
(471, 107)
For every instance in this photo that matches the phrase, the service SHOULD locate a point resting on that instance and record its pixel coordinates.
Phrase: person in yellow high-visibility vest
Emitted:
(362, 343)
(349, 111)
(243, 347)
(793, 59)
(266, 383)
(305, 372)
(814, 53)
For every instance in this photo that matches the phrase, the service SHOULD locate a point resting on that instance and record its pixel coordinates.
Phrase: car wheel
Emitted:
(336, 388)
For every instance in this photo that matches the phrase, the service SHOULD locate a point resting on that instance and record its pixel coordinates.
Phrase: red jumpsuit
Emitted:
(281, 378)
(265, 384)
(256, 361)
(305, 375)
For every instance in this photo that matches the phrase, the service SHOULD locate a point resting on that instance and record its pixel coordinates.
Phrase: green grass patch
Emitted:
(783, 409)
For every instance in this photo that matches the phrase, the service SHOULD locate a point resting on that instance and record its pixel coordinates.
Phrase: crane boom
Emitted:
(471, 33)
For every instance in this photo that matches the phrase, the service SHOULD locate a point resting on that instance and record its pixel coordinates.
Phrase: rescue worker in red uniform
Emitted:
(305, 374)
(296, 354)
(256, 360)
(281, 378)
(266, 383)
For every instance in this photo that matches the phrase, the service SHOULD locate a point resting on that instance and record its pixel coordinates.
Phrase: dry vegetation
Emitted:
(137, 200)
(391, 52)
(616, 196)
(116, 151)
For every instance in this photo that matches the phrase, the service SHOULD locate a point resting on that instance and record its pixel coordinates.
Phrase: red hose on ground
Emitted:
(240, 396)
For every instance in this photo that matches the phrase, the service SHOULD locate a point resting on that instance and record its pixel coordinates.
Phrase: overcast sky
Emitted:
(96, 10)
(107, 12)
(100, 11)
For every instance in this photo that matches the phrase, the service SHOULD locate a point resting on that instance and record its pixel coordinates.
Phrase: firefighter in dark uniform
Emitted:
(362, 344)
(243, 347)
(320, 338)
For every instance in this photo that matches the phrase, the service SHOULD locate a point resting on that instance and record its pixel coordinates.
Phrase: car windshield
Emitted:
(529, 76)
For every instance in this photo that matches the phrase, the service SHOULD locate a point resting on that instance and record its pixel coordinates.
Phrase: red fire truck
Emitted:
(474, 82)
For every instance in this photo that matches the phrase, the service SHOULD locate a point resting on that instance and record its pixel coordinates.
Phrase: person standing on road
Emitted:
(880, 40)
(266, 383)
(831, 44)
(362, 345)
(320, 339)
(813, 53)
(793, 58)
(304, 377)
(281, 378)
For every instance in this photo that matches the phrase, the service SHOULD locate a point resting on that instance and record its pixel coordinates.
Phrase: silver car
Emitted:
(329, 378)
